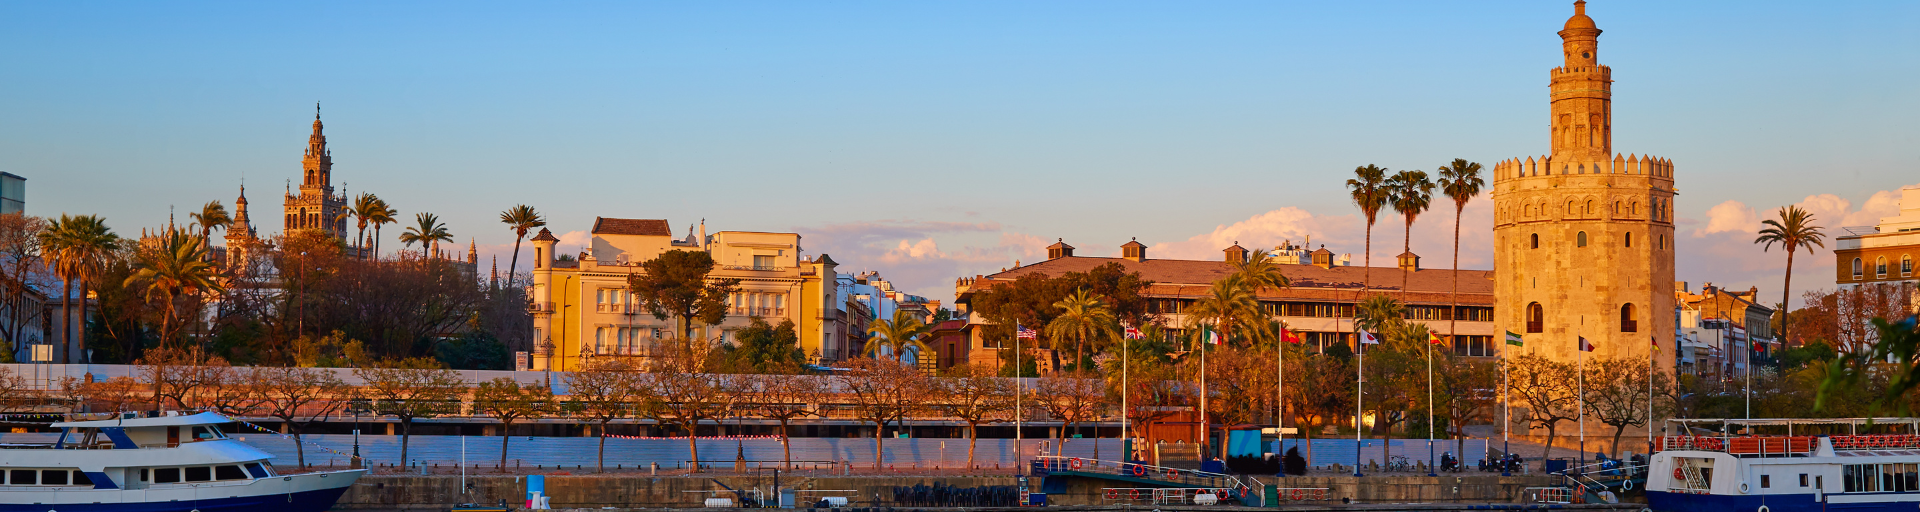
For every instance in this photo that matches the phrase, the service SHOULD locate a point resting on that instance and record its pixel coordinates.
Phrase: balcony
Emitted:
(760, 268)
(539, 307)
(618, 309)
(759, 312)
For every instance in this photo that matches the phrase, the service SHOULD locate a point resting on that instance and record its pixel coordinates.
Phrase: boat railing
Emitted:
(1787, 445)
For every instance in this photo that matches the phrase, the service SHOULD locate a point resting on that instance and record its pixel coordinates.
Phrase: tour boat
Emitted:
(1832, 464)
(166, 463)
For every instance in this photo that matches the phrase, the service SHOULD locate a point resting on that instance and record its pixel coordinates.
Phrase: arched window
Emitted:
(1906, 265)
(1573, 208)
(1536, 240)
(1661, 242)
(1633, 208)
(1627, 323)
(1589, 210)
(1616, 209)
(1580, 240)
(1880, 266)
(1856, 268)
(1629, 239)
(1536, 321)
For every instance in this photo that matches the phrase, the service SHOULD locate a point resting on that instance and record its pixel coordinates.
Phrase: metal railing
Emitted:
(1052, 463)
(1166, 495)
(1558, 495)
(1766, 445)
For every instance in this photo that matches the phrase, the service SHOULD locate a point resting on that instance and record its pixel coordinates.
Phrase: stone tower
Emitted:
(315, 206)
(1583, 236)
(241, 238)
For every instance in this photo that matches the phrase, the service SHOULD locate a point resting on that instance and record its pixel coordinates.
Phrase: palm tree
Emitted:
(1461, 181)
(1369, 193)
(1228, 302)
(93, 246)
(211, 216)
(1082, 314)
(903, 331)
(1794, 230)
(381, 215)
(174, 268)
(1378, 313)
(364, 209)
(521, 219)
(53, 250)
(1410, 193)
(427, 231)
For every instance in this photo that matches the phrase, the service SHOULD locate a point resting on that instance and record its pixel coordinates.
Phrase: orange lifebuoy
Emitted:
(1299, 494)
(1678, 474)
(1172, 473)
(1221, 494)
(1075, 462)
(1139, 470)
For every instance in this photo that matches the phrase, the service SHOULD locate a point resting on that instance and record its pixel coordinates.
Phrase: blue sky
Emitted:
(930, 140)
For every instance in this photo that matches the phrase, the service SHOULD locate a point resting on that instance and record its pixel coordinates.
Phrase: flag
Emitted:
(1289, 336)
(1655, 340)
(1132, 333)
(1585, 346)
(1028, 334)
(1366, 338)
(1213, 337)
(1433, 338)
(1514, 339)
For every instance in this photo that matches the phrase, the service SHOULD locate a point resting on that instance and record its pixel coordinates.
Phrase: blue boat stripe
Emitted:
(100, 480)
(119, 437)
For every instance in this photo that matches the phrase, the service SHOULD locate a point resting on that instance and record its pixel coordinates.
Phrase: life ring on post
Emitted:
(1074, 462)
(1626, 485)
(1743, 487)
(1139, 470)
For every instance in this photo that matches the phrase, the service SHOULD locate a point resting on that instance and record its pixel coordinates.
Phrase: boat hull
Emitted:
(307, 501)
(310, 492)
(1687, 502)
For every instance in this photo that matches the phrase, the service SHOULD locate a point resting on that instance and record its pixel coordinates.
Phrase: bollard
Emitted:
(656, 469)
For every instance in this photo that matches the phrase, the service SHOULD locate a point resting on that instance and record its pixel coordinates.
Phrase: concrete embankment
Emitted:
(405, 492)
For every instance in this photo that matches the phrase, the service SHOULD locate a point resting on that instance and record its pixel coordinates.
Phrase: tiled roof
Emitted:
(1190, 277)
(646, 227)
(544, 236)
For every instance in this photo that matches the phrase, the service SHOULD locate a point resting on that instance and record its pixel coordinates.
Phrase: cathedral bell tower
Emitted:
(1584, 236)
(315, 207)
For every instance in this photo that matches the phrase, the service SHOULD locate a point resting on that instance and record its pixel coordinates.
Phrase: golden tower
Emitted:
(1583, 236)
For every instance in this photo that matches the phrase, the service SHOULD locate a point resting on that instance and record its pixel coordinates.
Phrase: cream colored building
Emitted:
(582, 307)
(1584, 236)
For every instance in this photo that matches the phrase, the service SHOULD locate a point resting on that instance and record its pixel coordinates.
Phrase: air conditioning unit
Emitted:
(622, 259)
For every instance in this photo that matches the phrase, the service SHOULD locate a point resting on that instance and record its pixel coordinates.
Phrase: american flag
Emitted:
(1132, 333)
(1027, 334)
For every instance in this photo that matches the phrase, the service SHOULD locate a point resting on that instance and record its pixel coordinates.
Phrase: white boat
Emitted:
(1801, 465)
(167, 463)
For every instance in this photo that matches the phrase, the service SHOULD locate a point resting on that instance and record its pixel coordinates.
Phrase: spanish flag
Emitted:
(1433, 338)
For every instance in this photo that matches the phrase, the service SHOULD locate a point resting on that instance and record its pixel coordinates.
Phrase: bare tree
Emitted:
(21, 274)
(784, 398)
(227, 390)
(681, 393)
(976, 395)
(1617, 390)
(603, 389)
(178, 374)
(1547, 388)
(116, 394)
(507, 401)
(883, 392)
(298, 397)
(1069, 398)
(411, 388)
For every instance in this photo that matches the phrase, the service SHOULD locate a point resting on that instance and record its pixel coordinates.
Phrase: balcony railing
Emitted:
(760, 312)
(627, 309)
(763, 268)
(540, 307)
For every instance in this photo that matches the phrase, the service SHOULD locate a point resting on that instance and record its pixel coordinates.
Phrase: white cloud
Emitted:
(1729, 216)
(1346, 234)
(923, 257)
(1723, 252)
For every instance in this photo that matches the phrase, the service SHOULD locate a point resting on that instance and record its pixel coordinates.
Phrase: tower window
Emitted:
(1661, 242)
(1536, 318)
(1627, 324)
(1536, 240)
(1880, 266)
(1906, 265)
(1856, 268)
(1628, 239)
(1580, 240)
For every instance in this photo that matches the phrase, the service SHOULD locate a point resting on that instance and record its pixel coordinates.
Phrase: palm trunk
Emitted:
(1406, 247)
(1366, 280)
(514, 264)
(362, 239)
(376, 241)
(1453, 310)
(66, 318)
(1785, 293)
(81, 325)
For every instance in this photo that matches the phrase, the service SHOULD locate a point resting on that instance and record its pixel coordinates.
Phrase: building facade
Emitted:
(1882, 254)
(1584, 236)
(1718, 332)
(13, 193)
(583, 308)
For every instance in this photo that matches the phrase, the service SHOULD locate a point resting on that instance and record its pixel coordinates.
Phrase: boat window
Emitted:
(253, 468)
(1803, 479)
(228, 473)
(24, 477)
(199, 473)
(144, 476)
(202, 434)
(1766, 481)
(166, 475)
(80, 478)
(53, 477)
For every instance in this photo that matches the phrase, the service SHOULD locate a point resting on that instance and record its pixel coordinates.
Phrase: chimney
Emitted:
(1236, 254)
(1322, 257)
(1134, 250)
(1058, 250)
(1409, 261)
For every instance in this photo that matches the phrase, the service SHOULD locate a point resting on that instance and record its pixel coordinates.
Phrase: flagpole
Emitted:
(1580, 396)
(1430, 461)
(1506, 410)
(1125, 435)
(1359, 393)
(1652, 352)
(1206, 427)
(1018, 389)
(1280, 391)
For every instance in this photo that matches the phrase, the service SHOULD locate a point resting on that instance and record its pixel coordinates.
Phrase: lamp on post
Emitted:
(357, 406)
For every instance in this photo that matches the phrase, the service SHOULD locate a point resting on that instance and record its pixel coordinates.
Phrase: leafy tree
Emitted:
(297, 397)
(762, 348)
(1898, 342)
(475, 350)
(507, 401)
(1460, 181)
(21, 275)
(520, 219)
(1617, 393)
(1794, 230)
(675, 284)
(973, 395)
(409, 389)
(882, 392)
(1029, 299)
(896, 335)
(602, 390)
(1410, 193)
(1082, 316)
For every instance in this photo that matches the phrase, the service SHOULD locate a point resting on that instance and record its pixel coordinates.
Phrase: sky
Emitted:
(935, 140)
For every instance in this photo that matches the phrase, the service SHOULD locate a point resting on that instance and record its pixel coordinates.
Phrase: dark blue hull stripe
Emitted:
(1682, 502)
(309, 501)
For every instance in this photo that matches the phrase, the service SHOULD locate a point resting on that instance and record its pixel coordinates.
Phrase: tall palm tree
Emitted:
(1461, 181)
(364, 209)
(1378, 313)
(1794, 230)
(903, 331)
(1229, 302)
(1082, 315)
(93, 246)
(210, 217)
(174, 268)
(426, 231)
(1410, 193)
(1368, 190)
(521, 219)
(382, 214)
(54, 252)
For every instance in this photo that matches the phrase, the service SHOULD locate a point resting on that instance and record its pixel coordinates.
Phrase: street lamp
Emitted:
(358, 406)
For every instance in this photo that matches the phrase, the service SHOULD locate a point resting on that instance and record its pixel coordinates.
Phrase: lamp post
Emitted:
(357, 407)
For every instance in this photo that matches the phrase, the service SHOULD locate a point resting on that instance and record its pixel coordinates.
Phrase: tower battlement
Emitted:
(1547, 165)
(1602, 69)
